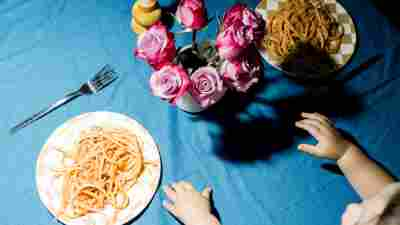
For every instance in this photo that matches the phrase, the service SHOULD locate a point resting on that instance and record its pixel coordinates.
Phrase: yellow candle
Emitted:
(145, 13)
(137, 28)
(147, 3)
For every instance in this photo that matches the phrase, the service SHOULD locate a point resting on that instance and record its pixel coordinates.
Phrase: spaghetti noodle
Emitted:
(100, 170)
(305, 21)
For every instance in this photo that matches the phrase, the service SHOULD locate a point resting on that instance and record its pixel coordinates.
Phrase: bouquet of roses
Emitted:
(227, 64)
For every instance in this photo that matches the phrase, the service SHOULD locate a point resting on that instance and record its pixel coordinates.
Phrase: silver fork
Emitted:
(102, 79)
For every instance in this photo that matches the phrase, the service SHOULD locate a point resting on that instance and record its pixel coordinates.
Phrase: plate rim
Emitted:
(86, 114)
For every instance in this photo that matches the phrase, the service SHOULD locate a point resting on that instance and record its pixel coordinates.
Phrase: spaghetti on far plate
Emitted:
(297, 29)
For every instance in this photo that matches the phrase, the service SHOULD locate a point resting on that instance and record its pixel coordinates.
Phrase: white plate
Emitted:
(348, 46)
(49, 187)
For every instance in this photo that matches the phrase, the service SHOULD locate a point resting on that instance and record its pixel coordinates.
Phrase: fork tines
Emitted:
(103, 78)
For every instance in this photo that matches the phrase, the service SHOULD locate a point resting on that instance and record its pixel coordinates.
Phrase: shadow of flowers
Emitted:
(246, 136)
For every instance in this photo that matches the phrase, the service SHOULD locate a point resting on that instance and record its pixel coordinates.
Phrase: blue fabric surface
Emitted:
(244, 148)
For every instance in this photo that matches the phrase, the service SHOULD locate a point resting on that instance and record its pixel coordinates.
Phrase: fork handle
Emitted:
(69, 97)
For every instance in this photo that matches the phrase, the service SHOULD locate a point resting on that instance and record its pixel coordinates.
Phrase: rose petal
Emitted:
(241, 75)
(156, 46)
(187, 16)
(233, 15)
(247, 19)
(169, 83)
(207, 87)
(231, 43)
(192, 14)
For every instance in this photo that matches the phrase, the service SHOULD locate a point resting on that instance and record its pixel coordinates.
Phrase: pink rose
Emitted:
(232, 42)
(192, 14)
(207, 86)
(255, 24)
(242, 74)
(233, 15)
(156, 46)
(250, 19)
(170, 82)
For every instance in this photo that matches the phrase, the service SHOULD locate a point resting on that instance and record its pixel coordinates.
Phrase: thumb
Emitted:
(206, 193)
(310, 149)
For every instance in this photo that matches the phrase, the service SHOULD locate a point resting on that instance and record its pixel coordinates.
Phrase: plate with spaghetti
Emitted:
(307, 37)
(99, 168)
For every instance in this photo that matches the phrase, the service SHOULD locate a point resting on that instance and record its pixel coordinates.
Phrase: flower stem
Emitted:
(194, 44)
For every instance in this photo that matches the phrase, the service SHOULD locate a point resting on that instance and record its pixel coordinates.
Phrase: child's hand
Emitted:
(188, 205)
(330, 145)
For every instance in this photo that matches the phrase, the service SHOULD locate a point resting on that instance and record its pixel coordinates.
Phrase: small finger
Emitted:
(319, 117)
(171, 194)
(170, 208)
(311, 129)
(323, 127)
(206, 193)
(309, 149)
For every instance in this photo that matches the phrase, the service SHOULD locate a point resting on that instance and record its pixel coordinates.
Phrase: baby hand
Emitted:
(330, 145)
(188, 205)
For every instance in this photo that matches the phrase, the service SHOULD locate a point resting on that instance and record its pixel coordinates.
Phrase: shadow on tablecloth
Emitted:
(246, 136)
(389, 9)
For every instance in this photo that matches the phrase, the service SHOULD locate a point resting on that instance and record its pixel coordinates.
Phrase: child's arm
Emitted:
(366, 177)
(188, 205)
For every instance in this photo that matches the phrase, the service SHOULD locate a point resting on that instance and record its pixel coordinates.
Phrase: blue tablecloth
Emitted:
(244, 148)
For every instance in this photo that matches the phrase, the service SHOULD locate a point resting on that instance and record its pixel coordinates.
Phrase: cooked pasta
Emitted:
(104, 164)
(306, 21)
